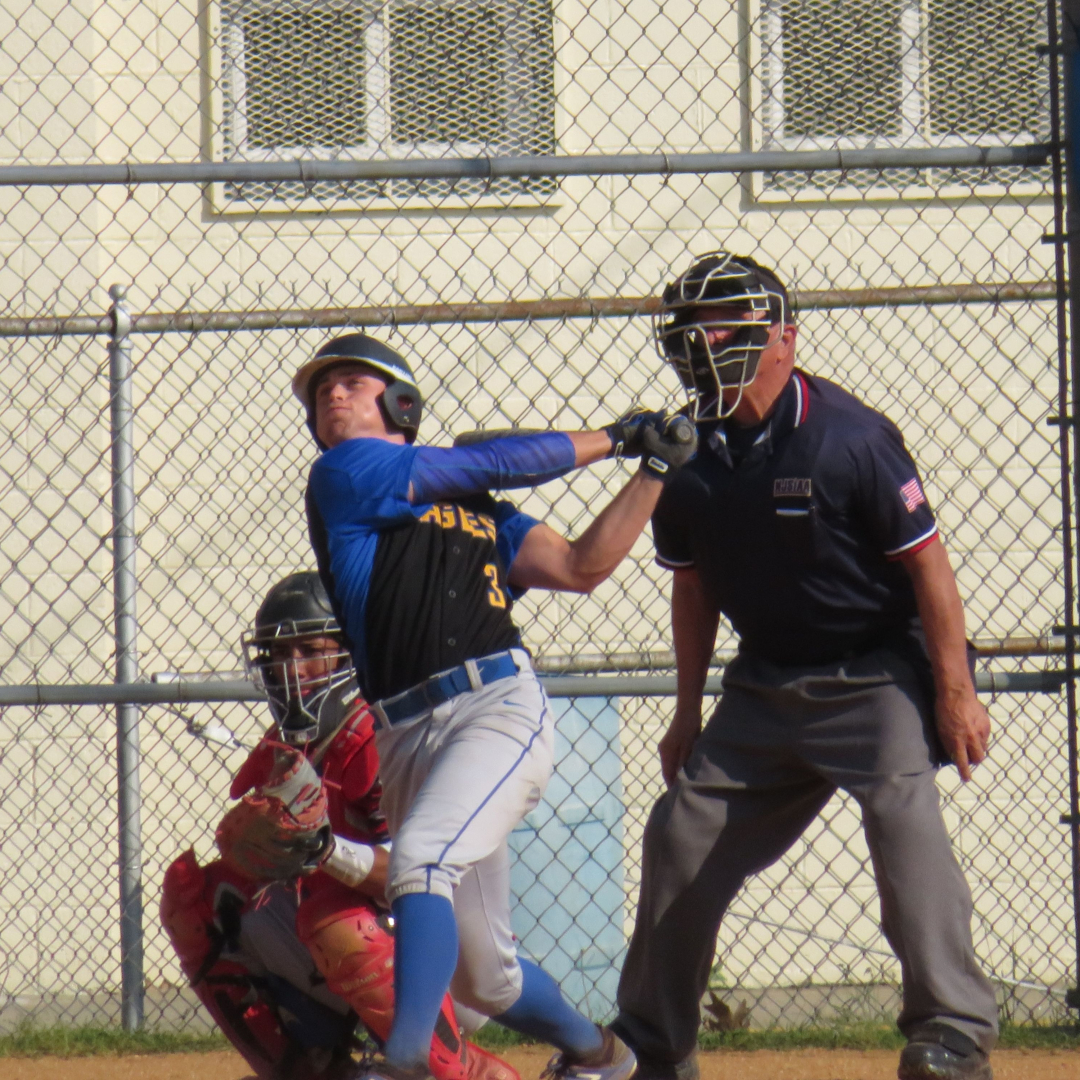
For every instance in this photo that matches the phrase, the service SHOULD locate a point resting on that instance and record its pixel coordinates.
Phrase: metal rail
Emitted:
(491, 168)
(1065, 76)
(560, 686)
(600, 307)
(664, 659)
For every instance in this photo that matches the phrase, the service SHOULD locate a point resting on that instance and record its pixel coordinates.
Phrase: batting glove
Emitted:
(627, 432)
(667, 445)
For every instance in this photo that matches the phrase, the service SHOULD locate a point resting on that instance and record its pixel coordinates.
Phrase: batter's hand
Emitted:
(667, 445)
(677, 743)
(627, 432)
(964, 729)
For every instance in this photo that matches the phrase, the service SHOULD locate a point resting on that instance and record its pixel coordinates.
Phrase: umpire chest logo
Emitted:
(789, 486)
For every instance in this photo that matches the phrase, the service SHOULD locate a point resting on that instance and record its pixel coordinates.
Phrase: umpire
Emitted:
(802, 520)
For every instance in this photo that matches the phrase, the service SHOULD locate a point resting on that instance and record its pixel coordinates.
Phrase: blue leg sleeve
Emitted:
(425, 955)
(544, 1013)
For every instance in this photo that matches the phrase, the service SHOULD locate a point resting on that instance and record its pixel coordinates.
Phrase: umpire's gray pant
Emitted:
(781, 741)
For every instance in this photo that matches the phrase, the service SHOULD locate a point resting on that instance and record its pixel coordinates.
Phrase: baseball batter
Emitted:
(803, 521)
(421, 565)
(282, 938)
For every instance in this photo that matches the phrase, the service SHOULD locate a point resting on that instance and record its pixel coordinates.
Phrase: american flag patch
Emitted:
(912, 495)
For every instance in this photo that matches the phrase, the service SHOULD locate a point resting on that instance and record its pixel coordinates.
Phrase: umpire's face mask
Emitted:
(716, 349)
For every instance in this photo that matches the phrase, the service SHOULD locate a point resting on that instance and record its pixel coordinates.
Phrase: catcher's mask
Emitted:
(400, 402)
(296, 654)
(752, 299)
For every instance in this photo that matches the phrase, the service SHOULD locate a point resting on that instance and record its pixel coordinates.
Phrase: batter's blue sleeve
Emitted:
(512, 462)
(891, 495)
(511, 528)
(363, 482)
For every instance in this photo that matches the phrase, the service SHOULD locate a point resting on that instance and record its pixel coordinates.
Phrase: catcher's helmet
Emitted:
(401, 401)
(309, 689)
(754, 300)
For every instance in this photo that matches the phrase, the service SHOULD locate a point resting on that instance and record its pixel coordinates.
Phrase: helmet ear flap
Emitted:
(402, 405)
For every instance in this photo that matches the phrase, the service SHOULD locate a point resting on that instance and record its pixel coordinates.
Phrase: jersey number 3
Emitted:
(495, 596)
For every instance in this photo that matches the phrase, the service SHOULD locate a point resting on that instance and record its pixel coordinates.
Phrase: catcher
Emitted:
(284, 938)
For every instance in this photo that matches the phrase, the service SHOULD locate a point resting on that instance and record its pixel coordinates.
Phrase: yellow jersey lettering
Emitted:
(470, 524)
(495, 596)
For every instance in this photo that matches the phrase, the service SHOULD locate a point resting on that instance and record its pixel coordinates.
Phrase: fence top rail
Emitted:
(179, 692)
(550, 165)
(189, 322)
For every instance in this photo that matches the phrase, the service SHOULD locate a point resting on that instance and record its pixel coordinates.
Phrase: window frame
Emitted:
(380, 143)
(913, 52)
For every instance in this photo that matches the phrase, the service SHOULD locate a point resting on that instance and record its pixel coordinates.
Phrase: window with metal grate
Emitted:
(331, 79)
(860, 73)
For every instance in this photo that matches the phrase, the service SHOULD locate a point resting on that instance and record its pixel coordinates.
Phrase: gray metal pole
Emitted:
(595, 307)
(488, 168)
(182, 692)
(129, 799)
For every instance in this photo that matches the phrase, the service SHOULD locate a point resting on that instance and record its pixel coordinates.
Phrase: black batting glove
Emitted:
(626, 432)
(667, 445)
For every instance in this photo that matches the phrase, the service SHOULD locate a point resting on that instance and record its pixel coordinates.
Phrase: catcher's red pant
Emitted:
(352, 951)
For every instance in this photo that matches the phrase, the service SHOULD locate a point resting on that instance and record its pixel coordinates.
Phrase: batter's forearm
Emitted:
(608, 539)
(590, 446)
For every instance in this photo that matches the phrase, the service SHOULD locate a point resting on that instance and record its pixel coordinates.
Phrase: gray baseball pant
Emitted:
(780, 742)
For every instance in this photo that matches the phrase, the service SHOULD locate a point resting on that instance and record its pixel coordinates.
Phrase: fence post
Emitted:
(127, 664)
(1070, 57)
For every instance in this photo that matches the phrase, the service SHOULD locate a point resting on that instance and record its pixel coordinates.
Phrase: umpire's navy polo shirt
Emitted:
(795, 539)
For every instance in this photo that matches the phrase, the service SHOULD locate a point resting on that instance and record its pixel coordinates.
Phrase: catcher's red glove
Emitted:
(282, 830)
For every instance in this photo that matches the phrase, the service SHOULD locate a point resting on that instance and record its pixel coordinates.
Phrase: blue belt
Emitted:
(443, 687)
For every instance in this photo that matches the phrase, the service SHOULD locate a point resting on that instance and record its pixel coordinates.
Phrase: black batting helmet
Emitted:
(401, 401)
(754, 299)
(309, 691)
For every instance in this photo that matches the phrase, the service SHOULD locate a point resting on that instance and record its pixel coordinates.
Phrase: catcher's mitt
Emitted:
(282, 830)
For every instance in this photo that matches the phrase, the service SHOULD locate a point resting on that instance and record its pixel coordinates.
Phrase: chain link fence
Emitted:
(523, 293)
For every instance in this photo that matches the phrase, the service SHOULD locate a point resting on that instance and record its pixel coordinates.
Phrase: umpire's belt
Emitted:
(472, 675)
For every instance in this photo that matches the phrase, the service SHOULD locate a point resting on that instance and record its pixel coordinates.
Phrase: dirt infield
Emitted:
(718, 1065)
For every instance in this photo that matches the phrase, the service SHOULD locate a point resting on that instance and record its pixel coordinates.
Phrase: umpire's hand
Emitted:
(963, 726)
(678, 741)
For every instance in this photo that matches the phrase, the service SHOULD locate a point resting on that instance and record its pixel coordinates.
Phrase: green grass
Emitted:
(870, 1036)
(30, 1041)
(863, 1035)
(494, 1036)
(854, 1036)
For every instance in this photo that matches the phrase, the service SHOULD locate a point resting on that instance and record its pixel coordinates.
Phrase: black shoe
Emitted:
(939, 1051)
(652, 1069)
